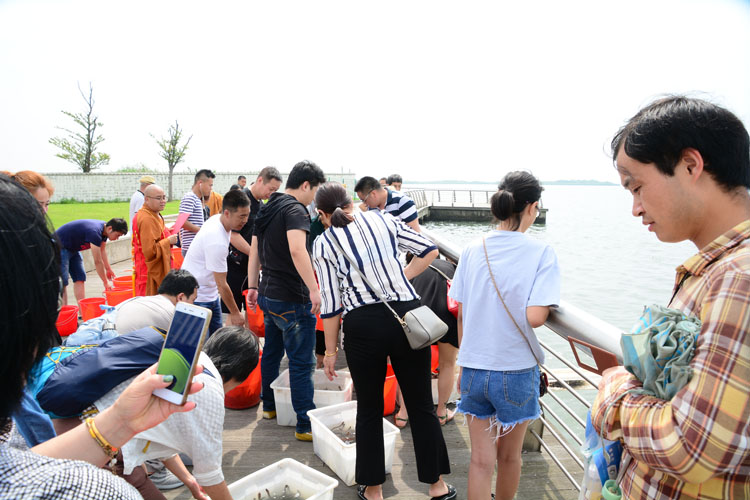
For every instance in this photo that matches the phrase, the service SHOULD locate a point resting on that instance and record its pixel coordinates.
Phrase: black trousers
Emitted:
(371, 334)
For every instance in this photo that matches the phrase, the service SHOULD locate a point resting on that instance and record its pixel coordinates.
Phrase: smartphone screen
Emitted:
(181, 350)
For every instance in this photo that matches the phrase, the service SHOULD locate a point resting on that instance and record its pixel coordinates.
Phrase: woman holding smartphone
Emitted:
(505, 284)
(374, 240)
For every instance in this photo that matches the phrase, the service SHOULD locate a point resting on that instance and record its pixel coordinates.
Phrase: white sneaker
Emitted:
(165, 480)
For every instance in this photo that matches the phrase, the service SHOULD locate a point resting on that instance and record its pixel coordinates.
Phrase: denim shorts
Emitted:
(511, 397)
(71, 263)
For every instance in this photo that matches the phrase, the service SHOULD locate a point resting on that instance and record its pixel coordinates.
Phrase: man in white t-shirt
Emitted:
(207, 258)
(228, 357)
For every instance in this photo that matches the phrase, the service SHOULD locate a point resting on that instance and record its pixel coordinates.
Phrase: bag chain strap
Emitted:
(487, 258)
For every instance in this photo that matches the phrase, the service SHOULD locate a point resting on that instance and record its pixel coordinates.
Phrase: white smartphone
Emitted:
(181, 350)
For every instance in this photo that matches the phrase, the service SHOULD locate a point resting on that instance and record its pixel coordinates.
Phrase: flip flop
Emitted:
(449, 415)
(396, 421)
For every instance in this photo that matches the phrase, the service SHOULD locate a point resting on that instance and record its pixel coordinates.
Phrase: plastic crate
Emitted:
(327, 393)
(339, 456)
(312, 484)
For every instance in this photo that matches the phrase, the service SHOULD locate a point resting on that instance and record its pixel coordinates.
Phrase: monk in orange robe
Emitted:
(214, 203)
(152, 243)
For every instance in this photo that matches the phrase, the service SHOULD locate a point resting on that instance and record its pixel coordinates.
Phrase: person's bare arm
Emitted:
(218, 491)
(96, 253)
(419, 264)
(239, 243)
(189, 226)
(297, 239)
(415, 225)
(235, 317)
(253, 273)
(177, 467)
(537, 315)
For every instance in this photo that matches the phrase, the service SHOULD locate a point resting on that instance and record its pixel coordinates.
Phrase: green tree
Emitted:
(79, 147)
(172, 151)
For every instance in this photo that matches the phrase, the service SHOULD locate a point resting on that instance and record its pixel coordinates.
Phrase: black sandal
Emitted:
(448, 496)
(361, 491)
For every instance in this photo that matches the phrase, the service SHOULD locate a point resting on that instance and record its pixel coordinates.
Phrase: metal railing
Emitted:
(567, 321)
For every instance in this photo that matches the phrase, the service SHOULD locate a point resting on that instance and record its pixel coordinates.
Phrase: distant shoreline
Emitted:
(571, 182)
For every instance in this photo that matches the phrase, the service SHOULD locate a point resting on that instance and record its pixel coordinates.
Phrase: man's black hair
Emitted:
(118, 225)
(367, 184)
(234, 199)
(234, 351)
(661, 131)
(178, 281)
(203, 173)
(305, 171)
(393, 178)
(241, 177)
(30, 274)
(270, 173)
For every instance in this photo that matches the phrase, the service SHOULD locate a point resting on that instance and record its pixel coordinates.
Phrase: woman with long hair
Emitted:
(505, 284)
(373, 240)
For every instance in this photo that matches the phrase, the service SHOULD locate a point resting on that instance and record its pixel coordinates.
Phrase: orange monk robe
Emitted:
(151, 240)
(214, 203)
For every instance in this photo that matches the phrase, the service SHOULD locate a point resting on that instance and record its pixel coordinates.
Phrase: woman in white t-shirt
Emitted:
(498, 353)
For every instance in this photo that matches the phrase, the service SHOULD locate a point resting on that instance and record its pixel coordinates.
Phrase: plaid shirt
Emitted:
(698, 444)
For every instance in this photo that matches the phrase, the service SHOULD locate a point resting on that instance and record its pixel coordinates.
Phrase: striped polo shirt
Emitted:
(373, 240)
(401, 206)
(192, 205)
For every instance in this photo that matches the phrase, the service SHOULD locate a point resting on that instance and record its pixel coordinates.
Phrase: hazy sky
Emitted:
(429, 89)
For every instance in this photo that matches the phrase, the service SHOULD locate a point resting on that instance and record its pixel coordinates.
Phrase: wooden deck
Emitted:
(251, 443)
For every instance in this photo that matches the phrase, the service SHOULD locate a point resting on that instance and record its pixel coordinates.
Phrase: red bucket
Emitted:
(255, 319)
(247, 394)
(389, 391)
(434, 358)
(67, 320)
(177, 257)
(90, 307)
(117, 295)
(123, 282)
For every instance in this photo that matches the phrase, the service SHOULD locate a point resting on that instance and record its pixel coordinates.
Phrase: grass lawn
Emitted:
(61, 213)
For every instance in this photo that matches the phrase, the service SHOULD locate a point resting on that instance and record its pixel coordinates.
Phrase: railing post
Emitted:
(531, 443)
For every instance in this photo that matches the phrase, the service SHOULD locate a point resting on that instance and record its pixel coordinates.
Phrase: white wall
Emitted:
(121, 186)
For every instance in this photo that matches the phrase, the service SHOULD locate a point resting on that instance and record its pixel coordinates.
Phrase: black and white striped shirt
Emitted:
(373, 240)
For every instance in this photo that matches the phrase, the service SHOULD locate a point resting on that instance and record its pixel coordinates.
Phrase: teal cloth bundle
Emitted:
(659, 349)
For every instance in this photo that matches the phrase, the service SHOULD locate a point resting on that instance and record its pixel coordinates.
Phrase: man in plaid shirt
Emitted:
(687, 164)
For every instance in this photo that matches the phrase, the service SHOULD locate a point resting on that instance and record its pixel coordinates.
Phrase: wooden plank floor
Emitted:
(251, 443)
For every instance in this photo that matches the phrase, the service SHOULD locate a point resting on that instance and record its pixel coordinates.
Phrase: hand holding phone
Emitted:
(181, 350)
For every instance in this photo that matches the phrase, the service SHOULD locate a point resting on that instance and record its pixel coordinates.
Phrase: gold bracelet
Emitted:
(332, 354)
(108, 449)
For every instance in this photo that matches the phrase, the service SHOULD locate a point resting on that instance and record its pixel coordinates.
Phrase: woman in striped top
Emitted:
(373, 240)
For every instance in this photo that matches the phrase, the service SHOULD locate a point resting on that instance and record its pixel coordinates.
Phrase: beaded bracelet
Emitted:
(107, 448)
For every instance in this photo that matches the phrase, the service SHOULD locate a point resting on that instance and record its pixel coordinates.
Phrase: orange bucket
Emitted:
(177, 257)
(247, 394)
(116, 295)
(67, 320)
(123, 282)
(254, 319)
(434, 358)
(90, 307)
(389, 391)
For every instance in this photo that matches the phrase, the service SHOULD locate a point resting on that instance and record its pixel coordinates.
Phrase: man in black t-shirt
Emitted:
(267, 183)
(288, 293)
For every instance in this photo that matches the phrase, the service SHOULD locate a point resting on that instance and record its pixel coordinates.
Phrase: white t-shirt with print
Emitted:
(527, 274)
(208, 255)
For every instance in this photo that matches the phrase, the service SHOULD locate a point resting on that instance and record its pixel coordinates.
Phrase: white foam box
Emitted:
(454, 393)
(339, 456)
(312, 484)
(327, 393)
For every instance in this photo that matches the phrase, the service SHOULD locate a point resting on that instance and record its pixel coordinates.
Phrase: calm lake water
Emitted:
(611, 265)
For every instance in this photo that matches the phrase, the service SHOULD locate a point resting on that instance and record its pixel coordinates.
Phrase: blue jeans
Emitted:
(216, 319)
(71, 263)
(290, 327)
(33, 424)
